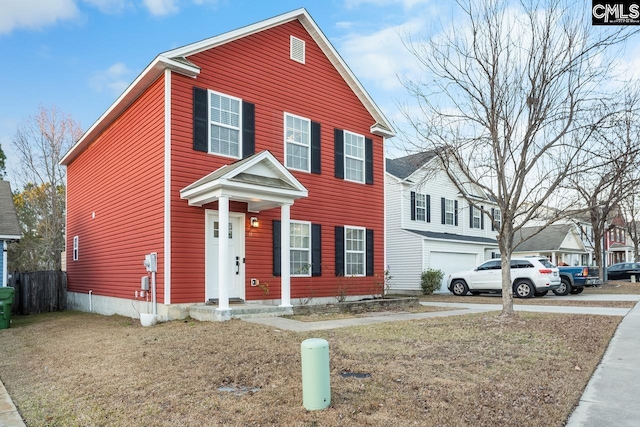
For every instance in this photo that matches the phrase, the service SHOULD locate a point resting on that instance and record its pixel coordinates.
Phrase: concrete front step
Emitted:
(210, 313)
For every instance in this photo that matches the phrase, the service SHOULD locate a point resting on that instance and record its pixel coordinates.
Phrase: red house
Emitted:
(264, 128)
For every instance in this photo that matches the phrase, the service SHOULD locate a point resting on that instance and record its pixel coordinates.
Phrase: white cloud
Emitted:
(406, 4)
(380, 57)
(114, 79)
(161, 7)
(35, 14)
(108, 6)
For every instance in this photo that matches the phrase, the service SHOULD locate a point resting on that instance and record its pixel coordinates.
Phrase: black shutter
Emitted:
(248, 129)
(455, 212)
(368, 161)
(339, 251)
(442, 211)
(481, 218)
(277, 249)
(315, 147)
(493, 215)
(200, 119)
(338, 138)
(413, 206)
(369, 254)
(428, 208)
(316, 250)
(470, 215)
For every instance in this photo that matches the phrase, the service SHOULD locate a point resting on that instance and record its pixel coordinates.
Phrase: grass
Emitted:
(79, 369)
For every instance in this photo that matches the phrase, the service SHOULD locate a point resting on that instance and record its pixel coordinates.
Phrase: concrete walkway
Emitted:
(610, 398)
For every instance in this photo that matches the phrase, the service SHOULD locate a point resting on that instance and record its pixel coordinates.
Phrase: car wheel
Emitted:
(564, 289)
(576, 291)
(523, 289)
(541, 294)
(459, 287)
(475, 293)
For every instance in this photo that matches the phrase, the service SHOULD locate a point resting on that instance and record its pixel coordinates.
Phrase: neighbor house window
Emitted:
(225, 120)
(477, 222)
(421, 207)
(354, 243)
(449, 212)
(75, 248)
(353, 157)
(297, 134)
(497, 218)
(300, 247)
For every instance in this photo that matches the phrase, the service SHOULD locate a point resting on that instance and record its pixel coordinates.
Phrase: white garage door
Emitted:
(450, 262)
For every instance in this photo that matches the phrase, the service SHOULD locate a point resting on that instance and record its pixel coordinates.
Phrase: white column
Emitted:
(285, 268)
(223, 253)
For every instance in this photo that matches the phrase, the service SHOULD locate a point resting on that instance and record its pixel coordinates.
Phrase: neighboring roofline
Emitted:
(175, 60)
(10, 237)
(451, 237)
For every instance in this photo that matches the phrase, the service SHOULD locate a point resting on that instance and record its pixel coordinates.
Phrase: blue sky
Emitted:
(79, 55)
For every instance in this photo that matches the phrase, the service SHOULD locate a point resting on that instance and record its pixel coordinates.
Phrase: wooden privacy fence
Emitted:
(39, 291)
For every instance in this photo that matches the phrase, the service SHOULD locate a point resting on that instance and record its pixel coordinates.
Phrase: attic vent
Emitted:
(297, 49)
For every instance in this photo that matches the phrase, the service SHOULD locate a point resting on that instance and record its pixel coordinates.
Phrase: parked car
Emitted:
(623, 270)
(574, 279)
(529, 276)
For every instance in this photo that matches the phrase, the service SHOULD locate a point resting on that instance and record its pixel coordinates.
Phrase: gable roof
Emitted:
(548, 238)
(403, 167)
(177, 60)
(455, 237)
(260, 180)
(9, 223)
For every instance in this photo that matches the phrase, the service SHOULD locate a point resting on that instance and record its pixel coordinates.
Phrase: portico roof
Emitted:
(259, 180)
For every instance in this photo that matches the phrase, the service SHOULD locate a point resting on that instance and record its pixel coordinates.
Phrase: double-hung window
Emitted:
(353, 157)
(449, 212)
(76, 248)
(497, 218)
(477, 222)
(297, 134)
(225, 121)
(300, 248)
(354, 243)
(421, 207)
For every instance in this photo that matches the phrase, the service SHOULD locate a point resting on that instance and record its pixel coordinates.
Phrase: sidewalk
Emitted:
(9, 416)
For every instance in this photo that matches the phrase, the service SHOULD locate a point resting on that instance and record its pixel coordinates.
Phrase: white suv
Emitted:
(529, 276)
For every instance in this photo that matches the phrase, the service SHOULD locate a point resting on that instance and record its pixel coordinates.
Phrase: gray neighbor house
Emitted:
(9, 227)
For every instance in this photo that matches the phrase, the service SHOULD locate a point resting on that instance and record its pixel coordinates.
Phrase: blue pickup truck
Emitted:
(574, 279)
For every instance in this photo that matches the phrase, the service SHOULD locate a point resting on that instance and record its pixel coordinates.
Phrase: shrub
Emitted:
(431, 280)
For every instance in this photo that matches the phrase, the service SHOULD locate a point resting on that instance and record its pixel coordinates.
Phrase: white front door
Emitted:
(235, 228)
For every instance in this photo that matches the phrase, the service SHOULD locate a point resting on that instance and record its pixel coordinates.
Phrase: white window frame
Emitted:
(449, 209)
(477, 221)
(224, 125)
(347, 251)
(293, 248)
(297, 143)
(76, 248)
(421, 206)
(497, 218)
(354, 158)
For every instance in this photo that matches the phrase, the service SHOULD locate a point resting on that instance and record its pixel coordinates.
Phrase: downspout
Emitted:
(90, 302)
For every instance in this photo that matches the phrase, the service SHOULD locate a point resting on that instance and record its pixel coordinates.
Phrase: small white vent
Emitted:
(297, 49)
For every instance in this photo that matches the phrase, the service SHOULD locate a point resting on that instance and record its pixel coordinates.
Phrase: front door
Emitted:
(235, 228)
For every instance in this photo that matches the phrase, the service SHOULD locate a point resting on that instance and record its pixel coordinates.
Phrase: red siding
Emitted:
(120, 178)
(257, 69)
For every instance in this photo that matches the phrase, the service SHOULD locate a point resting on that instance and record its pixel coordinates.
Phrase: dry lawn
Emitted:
(616, 287)
(78, 369)
(497, 299)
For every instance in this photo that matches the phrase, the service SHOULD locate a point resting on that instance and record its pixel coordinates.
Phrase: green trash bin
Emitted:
(6, 301)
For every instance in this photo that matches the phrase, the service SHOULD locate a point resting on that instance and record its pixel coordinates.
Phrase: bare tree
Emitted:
(610, 175)
(40, 142)
(503, 102)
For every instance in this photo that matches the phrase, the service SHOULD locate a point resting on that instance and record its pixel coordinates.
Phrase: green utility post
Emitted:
(316, 388)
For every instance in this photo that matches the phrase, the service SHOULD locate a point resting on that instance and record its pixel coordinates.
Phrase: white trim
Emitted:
(293, 41)
(309, 250)
(224, 125)
(285, 255)
(284, 127)
(364, 250)
(167, 187)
